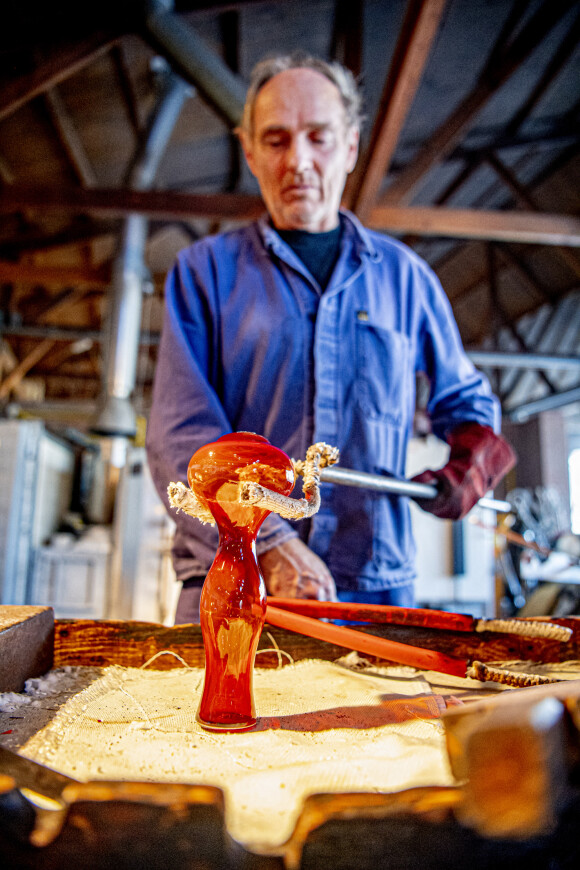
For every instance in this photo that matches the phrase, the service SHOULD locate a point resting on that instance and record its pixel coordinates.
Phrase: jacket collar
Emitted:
(351, 227)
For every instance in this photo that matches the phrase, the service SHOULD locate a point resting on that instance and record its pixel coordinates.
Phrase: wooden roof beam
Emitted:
(477, 278)
(29, 273)
(24, 366)
(522, 196)
(499, 313)
(54, 69)
(473, 158)
(80, 230)
(69, 138)
(527, 274)
(500, 226)
(506, 226)
(421, 23)
(69, 333)
(63, 301)
(494, 76)
(120, 202)
(546, 173)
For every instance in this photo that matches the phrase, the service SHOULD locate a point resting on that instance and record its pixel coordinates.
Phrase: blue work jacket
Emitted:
(250, 342)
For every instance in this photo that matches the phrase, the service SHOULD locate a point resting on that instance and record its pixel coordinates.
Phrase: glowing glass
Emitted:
(233, 599)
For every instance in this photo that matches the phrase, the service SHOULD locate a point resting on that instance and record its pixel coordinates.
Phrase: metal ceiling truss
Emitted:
(553, 330)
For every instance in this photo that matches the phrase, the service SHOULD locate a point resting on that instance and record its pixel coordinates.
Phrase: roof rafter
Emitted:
(546, 172)
(69, 138)
(28, 273)
(495, 74)
(421, 23)
(24, 366)
(500, 226)
(522, 196)
(54, 69)
(499, 312)
(508, 226)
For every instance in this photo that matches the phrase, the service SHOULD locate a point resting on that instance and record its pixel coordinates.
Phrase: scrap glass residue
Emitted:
(233, 599)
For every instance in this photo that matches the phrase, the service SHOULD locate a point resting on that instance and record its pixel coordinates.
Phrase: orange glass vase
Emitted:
(233, 598)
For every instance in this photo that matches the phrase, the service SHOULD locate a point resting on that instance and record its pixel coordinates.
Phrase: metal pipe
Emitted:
(376, 482)
(510, 360)
(193, 58)
(495, 504)
(379, 483)
(117, 416)
(546, 403)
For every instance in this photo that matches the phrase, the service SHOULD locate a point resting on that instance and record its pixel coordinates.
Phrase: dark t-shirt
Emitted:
(318, 251)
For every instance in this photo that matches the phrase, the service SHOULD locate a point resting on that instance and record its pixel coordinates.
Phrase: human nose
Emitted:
(299, 156)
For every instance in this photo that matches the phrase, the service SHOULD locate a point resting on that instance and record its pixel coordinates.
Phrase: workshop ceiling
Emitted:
(470, 155)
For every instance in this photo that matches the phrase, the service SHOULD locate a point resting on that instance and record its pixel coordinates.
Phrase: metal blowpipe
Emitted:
(379, 483)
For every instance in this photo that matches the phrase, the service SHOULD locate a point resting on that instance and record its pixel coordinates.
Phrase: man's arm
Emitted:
(187, 413)
(184, 415)
(463, 412)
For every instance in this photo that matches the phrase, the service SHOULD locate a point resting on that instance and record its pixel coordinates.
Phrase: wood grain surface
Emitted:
(132, 644)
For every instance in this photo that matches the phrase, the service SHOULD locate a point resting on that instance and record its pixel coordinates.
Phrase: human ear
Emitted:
(353, 139)
(246, 143)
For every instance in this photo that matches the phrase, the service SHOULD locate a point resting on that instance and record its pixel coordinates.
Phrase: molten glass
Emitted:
(233, 599)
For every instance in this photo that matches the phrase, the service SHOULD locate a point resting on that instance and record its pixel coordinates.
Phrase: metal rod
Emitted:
(546, 403)
(495, 504)
(195, 60)
(379, 483)
(509, 360)
(364, 480)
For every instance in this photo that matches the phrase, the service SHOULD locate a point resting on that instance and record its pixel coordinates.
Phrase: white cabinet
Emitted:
(36, 476)
(72, 578)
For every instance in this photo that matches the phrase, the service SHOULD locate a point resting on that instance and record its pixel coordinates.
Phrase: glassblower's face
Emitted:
(301, 150)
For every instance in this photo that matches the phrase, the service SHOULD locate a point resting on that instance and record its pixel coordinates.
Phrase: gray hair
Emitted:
(340, 76)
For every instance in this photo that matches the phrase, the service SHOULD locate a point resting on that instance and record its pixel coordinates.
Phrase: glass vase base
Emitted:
(246, 725)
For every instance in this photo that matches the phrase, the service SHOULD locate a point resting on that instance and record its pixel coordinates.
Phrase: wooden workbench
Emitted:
(133, 825)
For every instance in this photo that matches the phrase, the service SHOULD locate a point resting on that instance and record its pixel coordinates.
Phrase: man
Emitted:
(306, 327)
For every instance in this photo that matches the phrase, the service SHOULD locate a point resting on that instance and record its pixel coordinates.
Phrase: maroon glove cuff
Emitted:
(478, 460)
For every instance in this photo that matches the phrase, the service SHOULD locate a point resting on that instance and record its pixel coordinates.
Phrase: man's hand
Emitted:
(292, 570)
(477, 462)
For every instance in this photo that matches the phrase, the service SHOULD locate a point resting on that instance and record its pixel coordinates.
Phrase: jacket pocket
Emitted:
(382, 373)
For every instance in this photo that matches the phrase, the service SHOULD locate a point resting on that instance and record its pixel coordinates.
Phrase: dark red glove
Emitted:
(477, 462)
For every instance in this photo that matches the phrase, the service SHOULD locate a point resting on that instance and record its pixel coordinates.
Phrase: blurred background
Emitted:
(117, 150)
